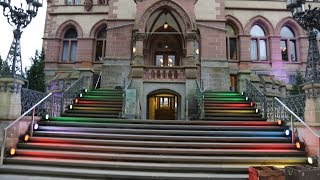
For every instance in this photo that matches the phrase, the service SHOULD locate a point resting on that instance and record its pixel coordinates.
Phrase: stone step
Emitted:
(159, 151)
(163, 144)
(115, 174)
(258, 122)
(74, 114)
(157, 158)
(174, 132)
(233, 118)
(164, 126)
(225, 138)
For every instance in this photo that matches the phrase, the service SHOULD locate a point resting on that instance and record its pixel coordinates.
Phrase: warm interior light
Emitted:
(26, 138)
(47, 116)
(165, 25)
(36, 126)
(279, 122)
(12, 151)
(298, 145)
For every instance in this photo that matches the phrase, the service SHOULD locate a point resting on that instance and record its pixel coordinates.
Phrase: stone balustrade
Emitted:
(156, 73)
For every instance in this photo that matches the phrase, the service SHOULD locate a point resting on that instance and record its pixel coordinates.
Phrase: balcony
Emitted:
(165, 74)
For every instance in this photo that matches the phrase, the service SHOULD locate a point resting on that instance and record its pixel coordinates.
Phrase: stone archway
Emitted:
(163, 104)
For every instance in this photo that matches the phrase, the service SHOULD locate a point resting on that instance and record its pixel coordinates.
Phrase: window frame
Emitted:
(288, 41)
(258, 39)
(69, 42)
(228, 44)
(104, 42)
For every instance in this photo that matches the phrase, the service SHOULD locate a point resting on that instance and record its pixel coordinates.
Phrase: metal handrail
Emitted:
(293, 131)
(258, 97)
(71, 88)
(16, 121)
(297, 117)
(99, 78)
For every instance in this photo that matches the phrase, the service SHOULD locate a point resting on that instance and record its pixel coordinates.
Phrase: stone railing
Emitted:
(164, 73)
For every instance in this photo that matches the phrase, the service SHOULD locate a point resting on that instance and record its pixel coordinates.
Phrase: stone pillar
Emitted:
(137, 54)
(10, 98)
(88, 77)
(242, 77)
(312, 108)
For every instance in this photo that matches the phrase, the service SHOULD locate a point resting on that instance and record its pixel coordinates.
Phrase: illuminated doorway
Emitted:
(163, 106)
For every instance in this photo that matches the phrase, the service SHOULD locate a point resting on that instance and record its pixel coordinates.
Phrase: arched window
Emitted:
(101, 44)
(258, 44)
(231, 39)
(288, 45)
(69, 52)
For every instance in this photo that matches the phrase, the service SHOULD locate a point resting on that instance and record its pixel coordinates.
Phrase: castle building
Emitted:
(166, 49)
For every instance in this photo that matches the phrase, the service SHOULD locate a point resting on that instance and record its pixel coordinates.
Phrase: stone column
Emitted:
(10, 98)
(242, 77)
(312, 108)
(88, 77)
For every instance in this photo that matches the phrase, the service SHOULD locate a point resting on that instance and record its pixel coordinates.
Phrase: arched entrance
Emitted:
(163, 105)
(164, 43)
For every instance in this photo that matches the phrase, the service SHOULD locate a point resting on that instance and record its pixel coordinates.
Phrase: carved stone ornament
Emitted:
(172, 5)
(312, 91)
(88, 4)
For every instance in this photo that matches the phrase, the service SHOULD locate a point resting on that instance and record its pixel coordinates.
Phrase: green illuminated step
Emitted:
(111, 99)
(236, 99)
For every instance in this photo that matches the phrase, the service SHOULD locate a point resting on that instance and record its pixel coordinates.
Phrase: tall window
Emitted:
(231, 43)
(73, 2)
(258, 44)
(165, 59)
(69, 52)
(101, 44)
(288, 45)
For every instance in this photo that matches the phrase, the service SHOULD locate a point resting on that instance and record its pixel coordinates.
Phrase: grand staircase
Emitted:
(90, 142)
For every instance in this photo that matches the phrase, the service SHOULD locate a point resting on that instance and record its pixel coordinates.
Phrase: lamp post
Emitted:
(18, 18)
(309, 20)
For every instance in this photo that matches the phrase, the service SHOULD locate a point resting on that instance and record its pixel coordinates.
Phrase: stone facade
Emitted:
(197, 34)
